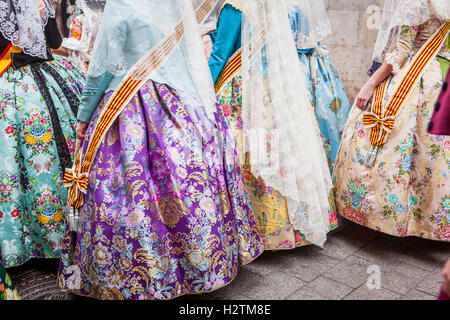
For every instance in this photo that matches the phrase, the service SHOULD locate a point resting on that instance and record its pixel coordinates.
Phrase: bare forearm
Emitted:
(382, 74)
(61, 51)
(366, 92)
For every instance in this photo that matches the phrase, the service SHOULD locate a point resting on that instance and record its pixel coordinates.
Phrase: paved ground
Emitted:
(409, 268)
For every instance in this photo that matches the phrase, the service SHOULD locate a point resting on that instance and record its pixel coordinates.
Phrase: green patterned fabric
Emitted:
(7, 290)
(444, 66)
(32, 196)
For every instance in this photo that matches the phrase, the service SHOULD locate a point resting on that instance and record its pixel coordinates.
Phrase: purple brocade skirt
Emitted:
(166, 212)
(440, 122)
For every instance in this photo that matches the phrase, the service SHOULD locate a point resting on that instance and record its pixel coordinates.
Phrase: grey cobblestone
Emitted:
(410, 269)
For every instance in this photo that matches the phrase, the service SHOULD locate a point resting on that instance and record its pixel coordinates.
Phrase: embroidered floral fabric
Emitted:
(409, 13)
(32, 197)
(406, 193)
(7, 290)
(268, 205)
(290, 158)
(166, 212)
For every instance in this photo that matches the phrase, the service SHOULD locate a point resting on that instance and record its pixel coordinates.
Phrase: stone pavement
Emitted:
(410, 269)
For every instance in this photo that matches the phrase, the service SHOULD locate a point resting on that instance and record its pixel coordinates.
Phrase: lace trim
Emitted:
(237, 4)
(289, 158)
(32, 13)
(392, 60)
(406, 13)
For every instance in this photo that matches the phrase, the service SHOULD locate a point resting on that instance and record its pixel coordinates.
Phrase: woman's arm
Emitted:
(92, 94)
(395, 60)
(367, 91)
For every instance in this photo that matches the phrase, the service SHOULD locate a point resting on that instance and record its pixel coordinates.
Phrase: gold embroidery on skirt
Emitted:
(171, 211)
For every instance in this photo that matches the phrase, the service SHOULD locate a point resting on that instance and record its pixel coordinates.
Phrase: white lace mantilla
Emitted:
(284, 141)
(400, 13)
(22, 22)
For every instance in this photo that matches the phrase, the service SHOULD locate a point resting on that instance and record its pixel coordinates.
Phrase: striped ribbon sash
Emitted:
(381, 120)
(234, 64)
(6, 57)
(76, 179)
(232, 67)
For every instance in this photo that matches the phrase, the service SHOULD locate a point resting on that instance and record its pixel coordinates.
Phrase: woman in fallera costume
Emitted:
(165, 211)
(310, 25)
(39, 98)
(280, 228)
(390, 174)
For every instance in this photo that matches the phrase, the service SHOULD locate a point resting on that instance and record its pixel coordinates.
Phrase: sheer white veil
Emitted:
(314, 24)
(92, 16)
(397, 13)
(132, 28)
(280, 126)
(211, 22)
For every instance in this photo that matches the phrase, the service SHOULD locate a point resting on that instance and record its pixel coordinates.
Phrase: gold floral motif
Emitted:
(106, 293)
(112, 135)
(142, 256)
(171, 211)
(145, 273)
(200, 179)
(134, 169)
(109, 159)
(136, 188)
(104, 217)
(194, 160)
(225, 205)
(177, 243)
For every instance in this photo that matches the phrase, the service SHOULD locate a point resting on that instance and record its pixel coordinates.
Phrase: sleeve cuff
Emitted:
(391, 59)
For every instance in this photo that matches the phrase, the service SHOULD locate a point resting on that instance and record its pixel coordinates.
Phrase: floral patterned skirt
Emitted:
(7, 290)
(269, 206)
(166, 212)
(407, 191)
(38, 130)
(327, 95)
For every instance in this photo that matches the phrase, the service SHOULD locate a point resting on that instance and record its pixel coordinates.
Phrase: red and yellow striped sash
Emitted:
(234, 64)
(382, 121)
(373, 119)
(77, 179)
(231, 68)
(6, 57)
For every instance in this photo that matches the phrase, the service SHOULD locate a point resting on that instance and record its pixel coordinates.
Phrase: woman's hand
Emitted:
(207, 43)
(61, 51)
(365, 95)
(81, 130)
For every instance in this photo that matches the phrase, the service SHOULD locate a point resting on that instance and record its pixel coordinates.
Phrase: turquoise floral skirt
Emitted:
(37, 137)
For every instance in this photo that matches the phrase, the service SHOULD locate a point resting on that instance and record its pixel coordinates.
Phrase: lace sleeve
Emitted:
(398, 56)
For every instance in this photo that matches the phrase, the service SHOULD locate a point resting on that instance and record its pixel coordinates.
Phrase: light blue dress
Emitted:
(326, 91)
